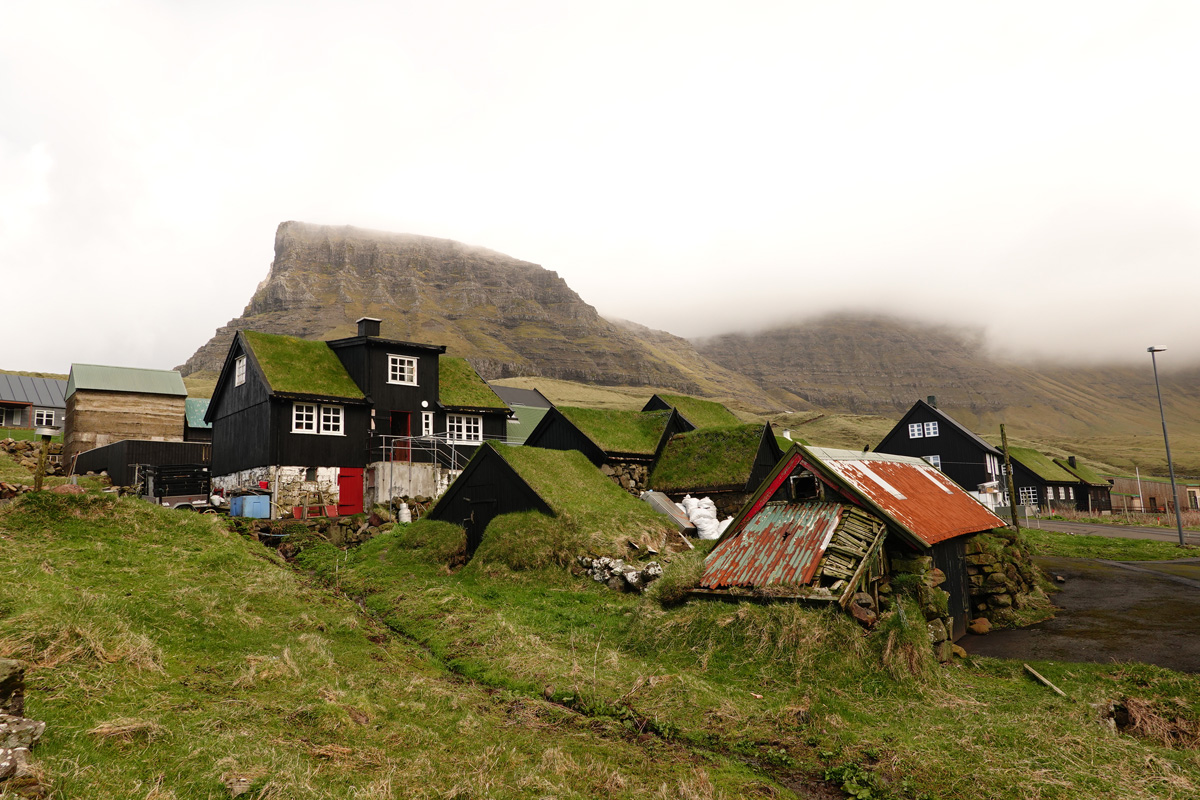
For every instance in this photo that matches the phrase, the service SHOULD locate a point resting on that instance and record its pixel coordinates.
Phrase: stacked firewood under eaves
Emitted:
(854, 556)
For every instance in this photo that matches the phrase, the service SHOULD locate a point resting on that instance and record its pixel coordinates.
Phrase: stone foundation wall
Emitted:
(631, 477)
(916, 575)
(1003, 578)
(288, 484)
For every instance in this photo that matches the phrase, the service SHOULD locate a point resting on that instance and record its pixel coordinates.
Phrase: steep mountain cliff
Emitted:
(509, 317)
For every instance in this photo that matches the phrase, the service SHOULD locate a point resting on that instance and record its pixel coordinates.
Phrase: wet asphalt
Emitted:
(1145, 611)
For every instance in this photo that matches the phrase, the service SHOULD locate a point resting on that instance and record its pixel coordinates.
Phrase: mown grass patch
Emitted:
(1074, 545)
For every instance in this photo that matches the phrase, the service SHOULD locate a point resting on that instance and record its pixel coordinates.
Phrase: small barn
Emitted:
(699, 413)
(502, 479)
(824, 516)
(1040, 482)
(1094, 493)
(107, 404)
(724, 463)
(623, 444)
(528, 406)
(29, 402)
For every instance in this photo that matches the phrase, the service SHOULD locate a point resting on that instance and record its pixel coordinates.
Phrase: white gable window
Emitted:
(931, 429)
(331, 420)
(934, 461)
(427, 423)
(43, 419)
(464, 428)
(915, 430)
(311, 418)
(239, 371)
(304, 418)
(402, 369)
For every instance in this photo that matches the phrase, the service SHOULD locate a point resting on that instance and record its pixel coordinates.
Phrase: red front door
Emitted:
(401, 449)
(350, 491)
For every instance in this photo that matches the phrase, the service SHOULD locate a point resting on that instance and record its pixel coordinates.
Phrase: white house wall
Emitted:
(387, 480)
(287, 485)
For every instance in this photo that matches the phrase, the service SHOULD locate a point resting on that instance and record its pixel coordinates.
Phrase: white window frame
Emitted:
(1070, 492)
(402, 370)
(931, 430)
(43, 418)
(464, 428)
(935, 461)
(239, 371)
(323, 420)
(427, 423)
(915, 430)
(1028, 495)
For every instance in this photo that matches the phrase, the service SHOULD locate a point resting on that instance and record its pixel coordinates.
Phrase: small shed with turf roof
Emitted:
(698, 412)
(1094, 494)
(623, 444)
(501, 479)
(724, 463)
(1041, 483)
(285, 412)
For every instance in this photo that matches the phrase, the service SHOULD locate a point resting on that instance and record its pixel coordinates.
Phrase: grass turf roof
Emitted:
(301, 366)
(459, 386)
(573, 487)
(701, 413)
(618, 430)
(1041, 465)
(708, 459)
(1086, 474)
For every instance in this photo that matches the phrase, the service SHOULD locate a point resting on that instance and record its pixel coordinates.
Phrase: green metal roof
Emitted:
(94, 377)
(459, 386)
(194, 408)
(527, 418)
(1041, 465)
(301, 366)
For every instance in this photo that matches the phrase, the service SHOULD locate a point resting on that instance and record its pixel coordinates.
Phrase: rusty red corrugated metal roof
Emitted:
(908, 491)
(781, 544)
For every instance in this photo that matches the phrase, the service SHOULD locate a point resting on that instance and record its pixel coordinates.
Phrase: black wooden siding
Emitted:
(117, 458)
(556, 432)
(950, 557)
(1023, 477)
(318, 450)
(241, 439)
(963, 460)
(488, 487)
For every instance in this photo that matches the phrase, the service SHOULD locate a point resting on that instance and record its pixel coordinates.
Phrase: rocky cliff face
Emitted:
(509, 317)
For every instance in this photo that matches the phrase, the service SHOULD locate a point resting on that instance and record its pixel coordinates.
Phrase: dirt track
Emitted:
(1132, 611)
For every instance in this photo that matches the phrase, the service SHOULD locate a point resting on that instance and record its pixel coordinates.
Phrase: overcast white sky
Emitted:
(698, 167)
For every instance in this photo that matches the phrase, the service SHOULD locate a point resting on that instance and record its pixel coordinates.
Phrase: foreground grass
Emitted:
(172, 659)
(793, 690)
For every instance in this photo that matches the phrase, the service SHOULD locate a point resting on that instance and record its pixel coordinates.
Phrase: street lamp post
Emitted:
(1167, 442)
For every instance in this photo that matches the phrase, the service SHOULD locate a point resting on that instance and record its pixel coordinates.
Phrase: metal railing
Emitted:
(435, 448)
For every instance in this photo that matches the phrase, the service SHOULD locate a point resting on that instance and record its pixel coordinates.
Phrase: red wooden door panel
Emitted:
(350, 490)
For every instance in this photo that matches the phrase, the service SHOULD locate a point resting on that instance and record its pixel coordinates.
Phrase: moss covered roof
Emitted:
(618, 430)
(1041, 465)
(301, 366)
(1086, 474)
(459, 386)
(701, 413)
(709, 458)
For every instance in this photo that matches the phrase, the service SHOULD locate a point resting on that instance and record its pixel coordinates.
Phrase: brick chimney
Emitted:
(368, 326)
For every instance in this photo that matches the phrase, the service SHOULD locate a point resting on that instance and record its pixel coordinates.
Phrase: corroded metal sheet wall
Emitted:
(781, 544)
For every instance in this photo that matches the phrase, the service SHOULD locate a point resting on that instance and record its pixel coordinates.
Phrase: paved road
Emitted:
(1115, 531)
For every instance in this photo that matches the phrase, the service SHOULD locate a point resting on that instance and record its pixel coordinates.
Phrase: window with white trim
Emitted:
(464, 428)
(1070, 492)
(992, 464)
(934, 461)
(402, 369)
(915, 430)
(931, 429)
(427, 423)
(311, 418)
(331, 420)
(1028, 495)
(43, 419)
(304, 418)
(239, 371)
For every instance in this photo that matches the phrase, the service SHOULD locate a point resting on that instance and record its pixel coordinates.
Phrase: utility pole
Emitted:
(1167, 442)
(1008, 481)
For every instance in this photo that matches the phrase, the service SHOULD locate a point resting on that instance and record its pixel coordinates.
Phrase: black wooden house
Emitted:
(927, 432)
